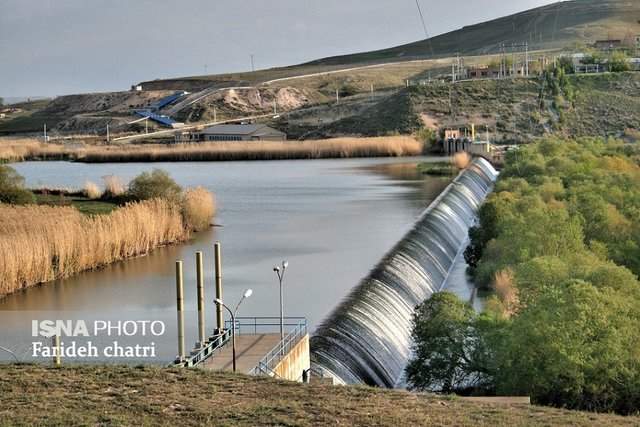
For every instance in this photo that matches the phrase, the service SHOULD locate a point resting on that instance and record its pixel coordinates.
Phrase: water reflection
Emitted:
(332, 219)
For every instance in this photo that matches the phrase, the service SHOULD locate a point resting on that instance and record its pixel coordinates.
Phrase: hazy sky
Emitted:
(53, 47)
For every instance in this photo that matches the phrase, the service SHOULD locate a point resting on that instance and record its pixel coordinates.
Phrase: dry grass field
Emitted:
(396, 146)
(147, 396)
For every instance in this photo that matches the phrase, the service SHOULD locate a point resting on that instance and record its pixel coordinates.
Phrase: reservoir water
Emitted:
(331, 219)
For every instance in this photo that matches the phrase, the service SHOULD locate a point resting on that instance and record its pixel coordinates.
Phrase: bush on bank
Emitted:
(559, 245)
(12, 187)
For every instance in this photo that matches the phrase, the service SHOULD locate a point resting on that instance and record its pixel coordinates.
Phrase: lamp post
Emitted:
(219, 302)
(280, 272)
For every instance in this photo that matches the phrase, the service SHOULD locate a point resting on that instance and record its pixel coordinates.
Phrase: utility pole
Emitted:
(45, 132)
(526, 49)
(253, 68)
(453, 73)
(107, 133)
(501, 72)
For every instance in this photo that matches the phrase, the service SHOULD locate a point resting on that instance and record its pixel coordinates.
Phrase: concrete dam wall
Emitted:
(367, 338)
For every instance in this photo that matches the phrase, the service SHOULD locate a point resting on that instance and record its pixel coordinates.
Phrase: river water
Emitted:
(331, 219)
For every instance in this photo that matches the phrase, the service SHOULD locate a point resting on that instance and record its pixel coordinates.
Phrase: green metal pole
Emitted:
(200, 285)
(218, 265)
(180, 309)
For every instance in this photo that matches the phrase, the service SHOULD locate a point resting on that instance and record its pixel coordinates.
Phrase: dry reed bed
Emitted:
(17, 150)
(393, 146)
(42, 243)
(259, 150)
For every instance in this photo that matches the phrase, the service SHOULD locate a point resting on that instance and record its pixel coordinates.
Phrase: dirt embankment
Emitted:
(232, 103)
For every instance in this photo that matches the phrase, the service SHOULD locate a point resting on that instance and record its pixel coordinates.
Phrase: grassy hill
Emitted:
(555, 26)
(559, 25)
(99, 395)
(513, 110)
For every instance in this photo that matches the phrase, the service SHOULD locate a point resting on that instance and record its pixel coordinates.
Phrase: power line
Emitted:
(424, 27)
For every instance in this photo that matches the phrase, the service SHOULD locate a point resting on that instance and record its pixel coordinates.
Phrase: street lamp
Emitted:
(219, 302)
(280, 272)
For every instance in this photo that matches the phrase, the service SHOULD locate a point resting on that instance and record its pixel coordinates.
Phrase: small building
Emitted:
(608, 45)
(451, 134)
(494, 72)
(588, 68)
(483, 72)
(241, 132)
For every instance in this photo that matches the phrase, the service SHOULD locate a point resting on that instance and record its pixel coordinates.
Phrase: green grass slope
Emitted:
(605, 105)
(555, 26)
(559, 25)
(100, 395)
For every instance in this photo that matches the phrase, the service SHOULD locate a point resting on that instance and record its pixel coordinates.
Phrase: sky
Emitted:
(56, 47)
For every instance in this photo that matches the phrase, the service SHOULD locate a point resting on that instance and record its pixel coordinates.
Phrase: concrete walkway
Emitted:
(250, 349)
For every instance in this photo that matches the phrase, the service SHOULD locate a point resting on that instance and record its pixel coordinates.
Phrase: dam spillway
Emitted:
(367, 337)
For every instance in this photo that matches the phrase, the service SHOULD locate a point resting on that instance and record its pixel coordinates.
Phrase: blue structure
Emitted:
(163, 120)
(152, 112)
(168, 100)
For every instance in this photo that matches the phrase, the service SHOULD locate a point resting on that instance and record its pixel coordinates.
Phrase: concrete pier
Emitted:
(250, 349)
(260, 351)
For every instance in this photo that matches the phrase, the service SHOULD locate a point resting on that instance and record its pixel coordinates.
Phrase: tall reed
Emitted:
(198, 208)
(392, 146)
(19, 149)
(396, 146)
(43, 243)
(91, 190)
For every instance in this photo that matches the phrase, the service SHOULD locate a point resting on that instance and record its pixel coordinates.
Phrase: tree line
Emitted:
(558, 246)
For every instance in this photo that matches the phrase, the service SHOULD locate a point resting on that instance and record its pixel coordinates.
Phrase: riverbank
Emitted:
(114, 395)
(14, 150)
(39, 244)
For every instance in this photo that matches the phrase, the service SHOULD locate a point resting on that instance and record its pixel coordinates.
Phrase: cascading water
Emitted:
(367, 338)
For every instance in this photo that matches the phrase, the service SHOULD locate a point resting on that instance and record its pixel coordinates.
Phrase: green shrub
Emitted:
(12, 187)
(154, 184)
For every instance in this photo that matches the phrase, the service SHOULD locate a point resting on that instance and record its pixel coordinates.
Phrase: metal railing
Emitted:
(213, 344)
(257, 325)
(269, 362)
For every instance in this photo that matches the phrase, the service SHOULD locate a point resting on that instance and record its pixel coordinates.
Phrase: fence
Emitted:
(263, 325)
(213, 344)
(268, 363)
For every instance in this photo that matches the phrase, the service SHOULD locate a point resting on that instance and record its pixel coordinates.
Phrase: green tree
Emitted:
(428, 138)
(447, 346)
(619, 62)
(574, 346)
(155, 184)
(12, 187)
